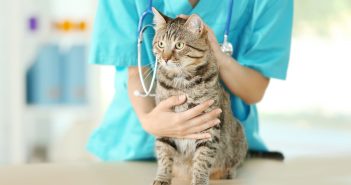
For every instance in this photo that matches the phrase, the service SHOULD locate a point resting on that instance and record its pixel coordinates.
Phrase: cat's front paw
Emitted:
(158, 182)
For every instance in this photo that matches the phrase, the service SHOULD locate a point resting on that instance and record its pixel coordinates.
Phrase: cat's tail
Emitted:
(274, 155)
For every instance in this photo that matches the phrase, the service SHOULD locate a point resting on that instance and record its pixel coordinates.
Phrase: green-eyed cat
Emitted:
(187, 66)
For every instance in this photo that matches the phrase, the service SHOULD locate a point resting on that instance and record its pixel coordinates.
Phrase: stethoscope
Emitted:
(226, 46)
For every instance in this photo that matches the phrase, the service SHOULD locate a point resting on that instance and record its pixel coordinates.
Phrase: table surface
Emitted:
(313, 170)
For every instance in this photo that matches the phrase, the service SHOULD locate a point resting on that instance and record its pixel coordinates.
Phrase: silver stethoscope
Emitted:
(226, 47)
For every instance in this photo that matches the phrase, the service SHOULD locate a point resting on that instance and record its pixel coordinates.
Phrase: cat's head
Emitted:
(179, 44)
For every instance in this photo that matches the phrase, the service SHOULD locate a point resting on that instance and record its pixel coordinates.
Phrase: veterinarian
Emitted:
(260, 33)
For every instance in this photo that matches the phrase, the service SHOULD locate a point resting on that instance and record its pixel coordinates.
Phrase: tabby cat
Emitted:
(187, 66)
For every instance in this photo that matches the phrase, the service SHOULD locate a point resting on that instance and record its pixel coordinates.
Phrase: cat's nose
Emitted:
(166, 56)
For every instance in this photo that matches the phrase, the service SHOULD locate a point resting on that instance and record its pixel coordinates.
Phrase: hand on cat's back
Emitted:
(162, 121)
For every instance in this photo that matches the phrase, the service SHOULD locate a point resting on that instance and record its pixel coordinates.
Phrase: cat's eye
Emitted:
(161, 44)
(179, 45)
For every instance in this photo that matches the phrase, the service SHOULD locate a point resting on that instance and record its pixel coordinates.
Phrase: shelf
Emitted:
(52, 109)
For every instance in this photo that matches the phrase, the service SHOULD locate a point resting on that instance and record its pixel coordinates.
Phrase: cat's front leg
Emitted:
(203, 161)
(165, 152)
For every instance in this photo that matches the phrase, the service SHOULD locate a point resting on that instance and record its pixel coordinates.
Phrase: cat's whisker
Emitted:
(148, 75)
(147, 65)
(147, 71)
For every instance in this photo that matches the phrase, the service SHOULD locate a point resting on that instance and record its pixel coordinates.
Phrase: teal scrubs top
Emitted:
(260, 32)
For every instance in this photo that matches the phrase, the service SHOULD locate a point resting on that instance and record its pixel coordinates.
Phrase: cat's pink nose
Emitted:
(166, 56)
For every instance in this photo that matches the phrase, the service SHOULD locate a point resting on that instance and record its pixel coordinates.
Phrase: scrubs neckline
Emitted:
(196, 6)
(184, 7)
(176, 7)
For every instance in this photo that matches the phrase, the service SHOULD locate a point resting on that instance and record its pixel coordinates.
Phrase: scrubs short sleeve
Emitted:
(115, 33)
(267, 38)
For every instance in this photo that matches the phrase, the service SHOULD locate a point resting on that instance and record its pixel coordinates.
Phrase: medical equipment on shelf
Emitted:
(226, 47)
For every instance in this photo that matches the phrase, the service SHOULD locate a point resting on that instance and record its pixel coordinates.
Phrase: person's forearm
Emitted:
(244, 82)
(141, 105)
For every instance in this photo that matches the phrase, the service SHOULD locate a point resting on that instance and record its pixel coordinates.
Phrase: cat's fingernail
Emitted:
(217, 121)
(219, 111)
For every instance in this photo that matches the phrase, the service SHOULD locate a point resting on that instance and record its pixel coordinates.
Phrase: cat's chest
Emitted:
(176, 86)
(186, 147)
(181, 82)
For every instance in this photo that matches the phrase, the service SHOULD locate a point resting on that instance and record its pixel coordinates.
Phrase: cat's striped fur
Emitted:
(192, 70)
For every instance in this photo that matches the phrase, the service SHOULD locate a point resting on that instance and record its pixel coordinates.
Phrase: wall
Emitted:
(2, 99)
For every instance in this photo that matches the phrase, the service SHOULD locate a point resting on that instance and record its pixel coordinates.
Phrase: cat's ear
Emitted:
(159, 18)
(195, 24)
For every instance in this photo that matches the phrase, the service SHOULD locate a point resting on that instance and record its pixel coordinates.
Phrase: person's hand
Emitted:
(216, 48)
(162, 121)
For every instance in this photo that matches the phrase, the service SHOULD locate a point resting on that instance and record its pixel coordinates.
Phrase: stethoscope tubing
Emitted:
(147, 91)
(229, 18)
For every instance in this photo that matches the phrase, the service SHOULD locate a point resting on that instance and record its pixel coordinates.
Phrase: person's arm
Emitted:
(161, 121)
(242, 81)
(265, 50)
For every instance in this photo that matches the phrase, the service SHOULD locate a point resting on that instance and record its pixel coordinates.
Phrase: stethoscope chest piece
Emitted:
(227, 47)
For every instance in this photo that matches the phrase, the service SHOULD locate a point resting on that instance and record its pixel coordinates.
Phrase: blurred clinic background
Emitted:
(51, 98)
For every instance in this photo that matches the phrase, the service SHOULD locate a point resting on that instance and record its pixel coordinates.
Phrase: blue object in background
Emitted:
(58, 78)
(74, 75)
(43, 78)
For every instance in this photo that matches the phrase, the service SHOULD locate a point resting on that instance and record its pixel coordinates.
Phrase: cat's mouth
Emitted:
(172, 67)
(170, 64)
